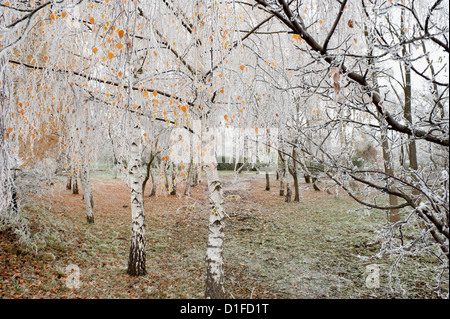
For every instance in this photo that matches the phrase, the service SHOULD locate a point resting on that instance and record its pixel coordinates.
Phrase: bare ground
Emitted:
(273, 249)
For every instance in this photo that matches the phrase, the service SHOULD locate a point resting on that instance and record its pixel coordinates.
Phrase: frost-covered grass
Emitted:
(272, 249)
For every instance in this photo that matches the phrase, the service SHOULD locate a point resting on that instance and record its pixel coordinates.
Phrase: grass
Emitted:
(272, 249)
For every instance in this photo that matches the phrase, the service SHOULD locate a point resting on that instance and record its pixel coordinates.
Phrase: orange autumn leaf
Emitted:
(121, 33)
(225, 117)
(145, 94)
(297, 37)
(184, 108)
(119, 46)
(155, 93)
(110, 55)
(94, 50)
(241, 67)
(91, 20)
(9, 130)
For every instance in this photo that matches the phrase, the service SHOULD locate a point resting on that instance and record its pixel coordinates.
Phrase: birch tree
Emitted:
(330, 39)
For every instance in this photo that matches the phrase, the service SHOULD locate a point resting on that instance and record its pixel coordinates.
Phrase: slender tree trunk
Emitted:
(69, 180)
(267, 178)
(279, 164)
(153, 191)
(314, 181)
(174, 183)
(166, 178)
(407, 92)
(307, 178)
(294, 173)
(282, 184)
(388, 162)
(288, 193)
(137, 255)
(7, 157)
(296, 188)
(187, 188)
(194, 176)
(282, 170)
(214, 252)
(87, 188)
(14, 204)
(74, 182)
(389, 170)
(148, 172)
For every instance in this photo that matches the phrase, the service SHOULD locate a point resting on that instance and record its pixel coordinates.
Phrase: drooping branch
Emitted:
(93, 78)
(297, 26)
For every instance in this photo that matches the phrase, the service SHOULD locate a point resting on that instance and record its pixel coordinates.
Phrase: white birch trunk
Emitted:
(267, 177)
(87, 189)
(7, 159)
(137, 256)
(214, 251)
(187, 188)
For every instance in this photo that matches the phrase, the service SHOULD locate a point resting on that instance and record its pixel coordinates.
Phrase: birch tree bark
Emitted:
(187, 187)
(86, 185)
(137, 256)
(69, 180)
(74, 182)
(6, 154)
(214, 251)
(294, 172)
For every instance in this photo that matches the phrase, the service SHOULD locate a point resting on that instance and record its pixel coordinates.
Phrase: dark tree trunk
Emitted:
(307, 178)
(174, 185)
(187, 188)
(294, 174)
(314, 181)
(69, 182)
(137, 256)
(90, 219)
(288, 193)
(282, 172)
(296, 188)
(267, 179)
(74, 185)
(153, 191)
(148, 173)
(166, 178)
(194, 177)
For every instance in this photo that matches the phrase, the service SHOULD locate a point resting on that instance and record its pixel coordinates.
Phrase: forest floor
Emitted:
(272, 249)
